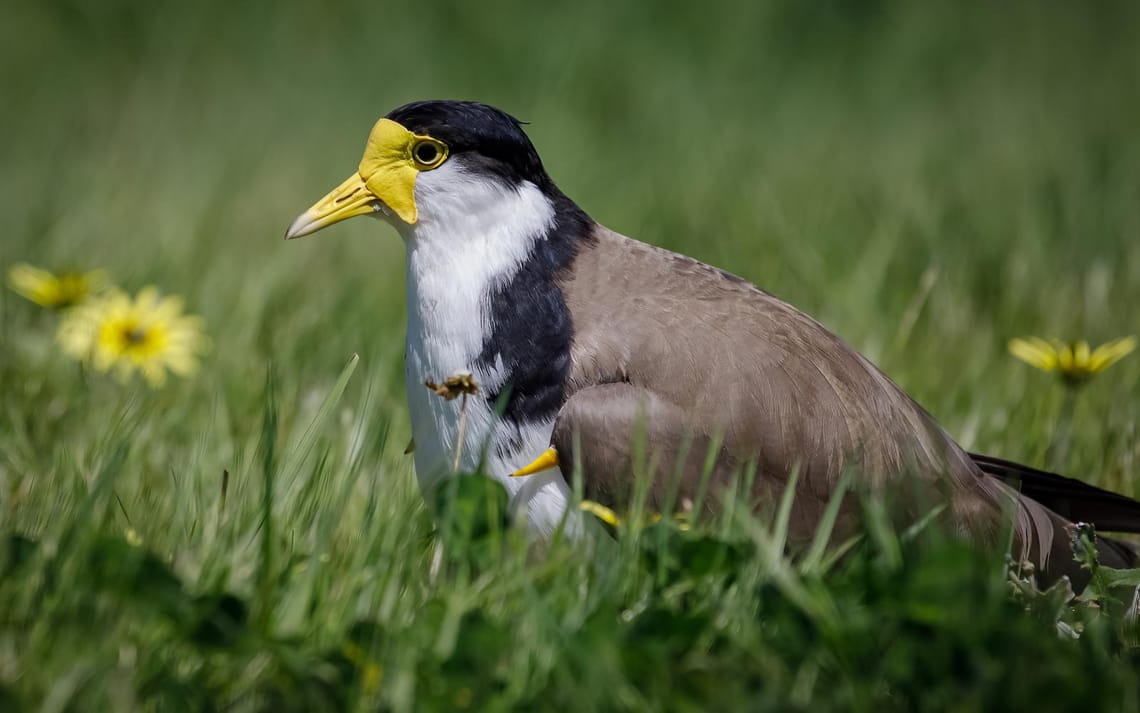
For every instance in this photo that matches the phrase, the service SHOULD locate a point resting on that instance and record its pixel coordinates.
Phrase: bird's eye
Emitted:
(428, 153)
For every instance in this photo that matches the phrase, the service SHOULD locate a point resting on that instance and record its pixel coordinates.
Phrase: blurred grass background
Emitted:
(929, 181)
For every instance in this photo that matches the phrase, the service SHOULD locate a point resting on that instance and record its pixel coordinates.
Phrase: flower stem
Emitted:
(462, 429)
(1063, 432)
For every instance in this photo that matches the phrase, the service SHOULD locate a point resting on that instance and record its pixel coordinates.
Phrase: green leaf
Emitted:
(472, 514)
(220, 620)
(137, 577)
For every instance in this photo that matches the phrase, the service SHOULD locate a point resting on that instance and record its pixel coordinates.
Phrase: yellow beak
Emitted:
(349, 199)
(384, 180)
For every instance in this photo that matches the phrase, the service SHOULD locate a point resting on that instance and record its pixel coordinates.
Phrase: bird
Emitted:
(594, 352)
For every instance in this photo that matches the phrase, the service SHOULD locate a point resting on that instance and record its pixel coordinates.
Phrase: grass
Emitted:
(928, 182)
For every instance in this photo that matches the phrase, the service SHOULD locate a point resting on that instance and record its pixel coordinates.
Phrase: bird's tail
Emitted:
(1073, 501)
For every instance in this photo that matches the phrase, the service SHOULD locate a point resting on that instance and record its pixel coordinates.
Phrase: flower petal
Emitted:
(1065, 358)
(1035, 352)
(32, 283)
(1109, 353)
(1081, 355)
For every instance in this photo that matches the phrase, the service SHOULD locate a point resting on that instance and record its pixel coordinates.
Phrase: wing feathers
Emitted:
(687, 351)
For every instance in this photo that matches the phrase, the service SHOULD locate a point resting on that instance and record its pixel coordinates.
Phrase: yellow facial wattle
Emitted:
(393, 158)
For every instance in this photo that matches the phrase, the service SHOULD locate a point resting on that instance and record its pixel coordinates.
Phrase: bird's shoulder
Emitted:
(627, 290)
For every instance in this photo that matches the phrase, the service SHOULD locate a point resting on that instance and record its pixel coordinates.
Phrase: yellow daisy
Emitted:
(147, 334)
(1074, 362)
(47, 289)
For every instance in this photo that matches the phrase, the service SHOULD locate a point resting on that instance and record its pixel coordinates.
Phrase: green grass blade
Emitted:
(266, 568)
(784, 514)
(304, 446)
(814, 557)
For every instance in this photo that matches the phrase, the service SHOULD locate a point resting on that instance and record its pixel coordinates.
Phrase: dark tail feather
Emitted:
(1075, 501)
(1072, 499)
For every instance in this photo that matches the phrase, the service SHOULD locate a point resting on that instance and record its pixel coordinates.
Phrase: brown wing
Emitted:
(613, 432)
(773, 384)
(709, 356)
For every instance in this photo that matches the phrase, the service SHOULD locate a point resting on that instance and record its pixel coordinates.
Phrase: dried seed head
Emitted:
(461, 382)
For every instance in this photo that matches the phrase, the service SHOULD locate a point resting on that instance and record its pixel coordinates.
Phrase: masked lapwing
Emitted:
(593, 350)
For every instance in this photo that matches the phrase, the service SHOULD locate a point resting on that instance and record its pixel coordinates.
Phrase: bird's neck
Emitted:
(484, 260)
(458, 254)
(483, 298)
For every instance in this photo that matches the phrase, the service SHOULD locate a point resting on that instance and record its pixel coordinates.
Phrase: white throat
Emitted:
(472, 235)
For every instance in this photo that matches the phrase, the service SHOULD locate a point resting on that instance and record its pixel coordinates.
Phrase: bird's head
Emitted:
(431, 161)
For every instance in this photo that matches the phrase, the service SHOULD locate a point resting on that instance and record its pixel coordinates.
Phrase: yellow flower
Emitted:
(66, 289)
(147, 334)
(1075, 362)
